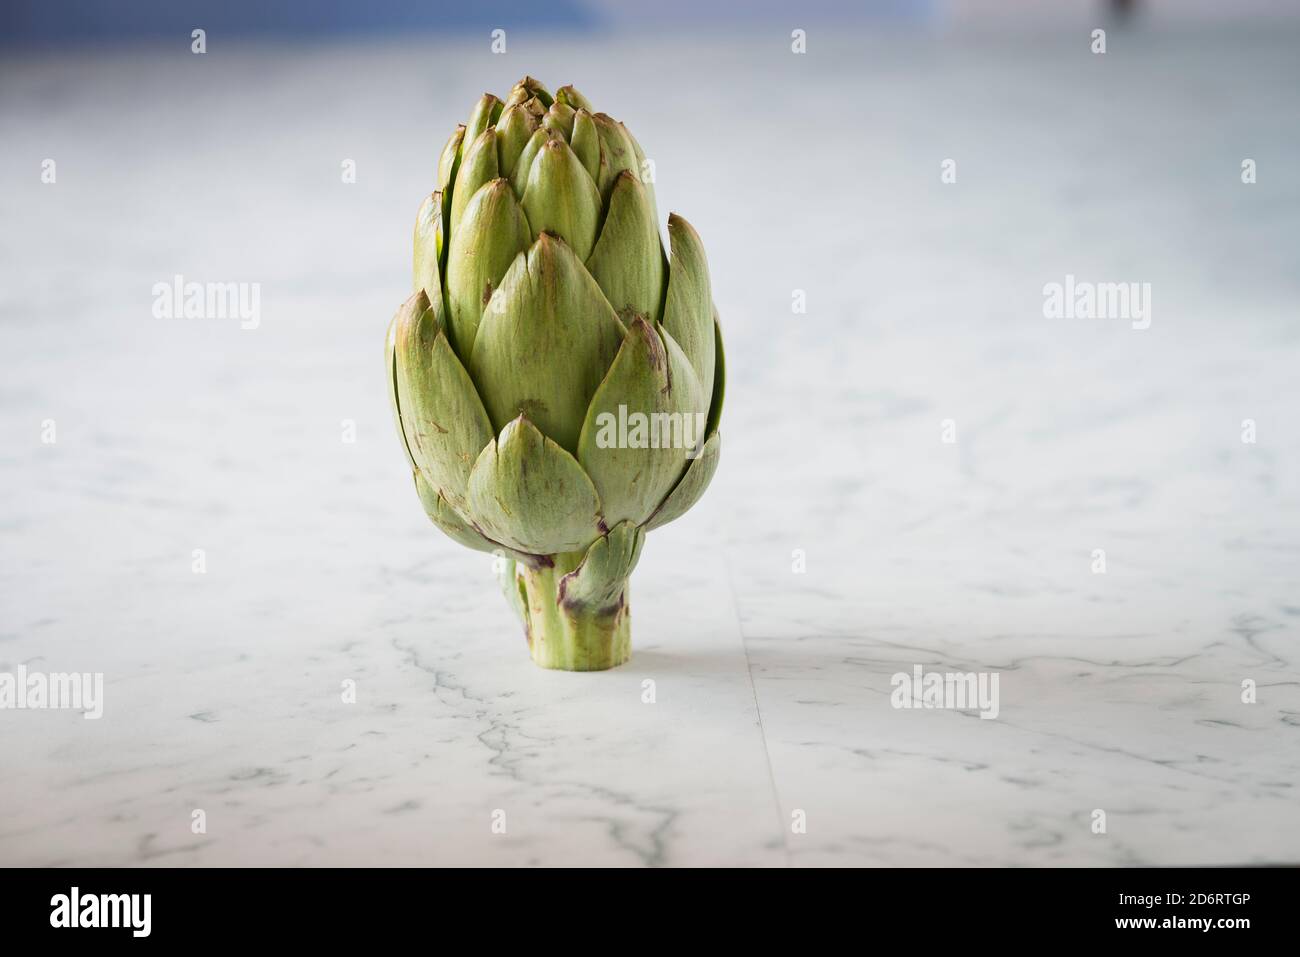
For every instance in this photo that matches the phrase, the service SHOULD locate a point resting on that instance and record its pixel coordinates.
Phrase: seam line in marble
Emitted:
(758, 713)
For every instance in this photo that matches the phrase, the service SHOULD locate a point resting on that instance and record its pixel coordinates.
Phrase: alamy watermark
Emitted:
(129, 911)
(179, 299)
(956, 691)
(651, 430)
(1073, 299)
(24, 690)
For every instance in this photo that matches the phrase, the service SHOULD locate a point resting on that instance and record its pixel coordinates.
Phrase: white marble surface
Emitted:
(1118, 691)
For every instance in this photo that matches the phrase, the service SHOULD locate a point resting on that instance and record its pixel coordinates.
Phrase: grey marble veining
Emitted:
(1118, 691)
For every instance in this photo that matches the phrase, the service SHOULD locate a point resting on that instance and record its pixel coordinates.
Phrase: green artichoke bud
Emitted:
(557, 380)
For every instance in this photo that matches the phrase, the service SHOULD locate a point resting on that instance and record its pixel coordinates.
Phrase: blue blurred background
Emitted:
(43, 21)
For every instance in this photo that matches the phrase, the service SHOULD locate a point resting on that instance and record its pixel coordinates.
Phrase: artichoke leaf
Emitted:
(443, 419)
(616, 147)
(585, 143)
(559, 119)
(390, 366)
(460, 531)
(492, 232)
(449, 160)
(514, 130)
(644, 422)
(597, 583)
(545, 342)
(528, 89)
(477, 169)
(485, 114)
(429, 246)
(561, 198)
(719, 377)
(628, 259)
(571, 97)
(688, 308)
(446, 518)
(524, 165)
(643, 170)
(530, 494)
(691, 487)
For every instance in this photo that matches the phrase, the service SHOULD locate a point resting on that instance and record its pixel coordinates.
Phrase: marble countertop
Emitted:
(843, 540)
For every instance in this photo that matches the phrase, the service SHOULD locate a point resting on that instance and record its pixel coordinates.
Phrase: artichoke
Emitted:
(556, 379)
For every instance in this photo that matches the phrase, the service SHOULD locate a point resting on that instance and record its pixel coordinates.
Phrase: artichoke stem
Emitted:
(568, 637)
